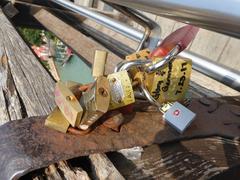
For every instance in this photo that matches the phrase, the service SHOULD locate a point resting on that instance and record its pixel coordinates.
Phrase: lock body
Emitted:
(95, 102)
(171, 82)
(57, 121)
(68, 104)
(121, 90)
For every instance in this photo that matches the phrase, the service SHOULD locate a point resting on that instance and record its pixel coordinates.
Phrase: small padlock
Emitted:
(171, 82)
(95, 102)
(68, 104)
(178, 116)
(57, 121)
(121, 90)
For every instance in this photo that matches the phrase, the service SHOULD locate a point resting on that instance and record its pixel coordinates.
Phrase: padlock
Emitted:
(68, 104)
(171, 82)
(121, 90)
(95, 102)
(177, 116)
(99, 63)
(143, 54)
(57, 121)
(168, 84)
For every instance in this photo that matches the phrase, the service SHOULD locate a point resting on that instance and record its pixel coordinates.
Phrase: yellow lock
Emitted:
(121, 90)
(57, 121)
(95, 102)
(143, 54)
(171, 82)
(68, 104)
(168, 84)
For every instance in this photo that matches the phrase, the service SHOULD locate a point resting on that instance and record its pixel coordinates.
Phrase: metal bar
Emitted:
(220, 73)
(103, 20)
(217, 72)
(27, 144)
(220, 16)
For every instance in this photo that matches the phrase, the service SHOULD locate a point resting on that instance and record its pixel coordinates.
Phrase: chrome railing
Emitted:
(221, 16)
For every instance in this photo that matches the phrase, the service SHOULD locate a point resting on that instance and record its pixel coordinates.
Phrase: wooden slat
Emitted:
(26, 89)
(192, 159)
(10, 102)
(83, 45)
(103, 168)
(33, 84)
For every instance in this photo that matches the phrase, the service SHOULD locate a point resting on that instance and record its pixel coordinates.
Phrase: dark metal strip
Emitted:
(27, 144)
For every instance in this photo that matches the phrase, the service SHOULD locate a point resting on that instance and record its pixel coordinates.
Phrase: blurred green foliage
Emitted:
(33, 36)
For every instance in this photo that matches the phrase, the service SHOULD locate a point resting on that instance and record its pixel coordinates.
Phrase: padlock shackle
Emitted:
(149, 97)
(162, 62)
(126, 65)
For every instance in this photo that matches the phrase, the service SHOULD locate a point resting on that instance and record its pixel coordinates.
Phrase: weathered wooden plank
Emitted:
(34, 85)
(103, 168)
(10, 103)
(193, 159)
(75, 39)
(25, 86)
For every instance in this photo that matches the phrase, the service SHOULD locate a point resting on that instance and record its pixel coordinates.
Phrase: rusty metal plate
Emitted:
(27, 144)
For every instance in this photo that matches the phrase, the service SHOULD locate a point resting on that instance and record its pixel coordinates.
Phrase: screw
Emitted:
(70, 98)
(113, 80)
(103, 92)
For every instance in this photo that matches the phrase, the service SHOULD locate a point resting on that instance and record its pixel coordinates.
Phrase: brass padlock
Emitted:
(99, 63)
(143, 54)
(57, 121)
(95, 102)
(68, 104)
(121, 90)
(170, 83)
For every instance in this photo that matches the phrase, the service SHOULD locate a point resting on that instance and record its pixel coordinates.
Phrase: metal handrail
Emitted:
(217, 15)
(209, 18)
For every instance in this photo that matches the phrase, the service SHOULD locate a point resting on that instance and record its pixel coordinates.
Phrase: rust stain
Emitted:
(27, 144)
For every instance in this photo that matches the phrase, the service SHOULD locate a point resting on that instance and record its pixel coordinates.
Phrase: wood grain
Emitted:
(103, 168)
(26, 89)
(33, 84)
(192, 159)
(139, 165)
(80, 43)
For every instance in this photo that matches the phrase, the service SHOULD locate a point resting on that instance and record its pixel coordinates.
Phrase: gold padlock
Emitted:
(68, 104)
(143, 54)
(168, 84)
(121, 90)
(95, 102)
(99, 63)
(57, 121)
(171, 82)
